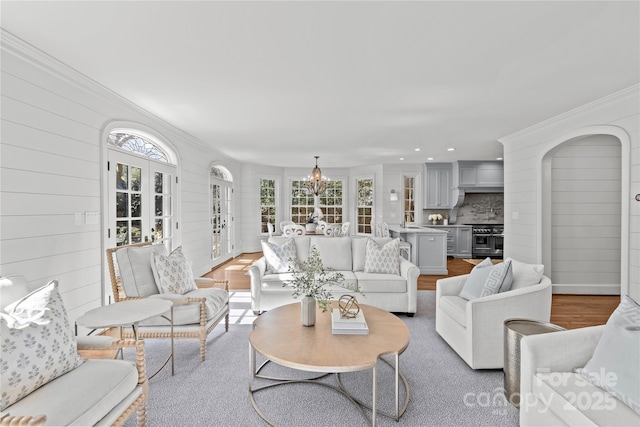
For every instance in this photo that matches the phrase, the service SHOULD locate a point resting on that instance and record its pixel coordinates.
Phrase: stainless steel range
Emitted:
(488, 240)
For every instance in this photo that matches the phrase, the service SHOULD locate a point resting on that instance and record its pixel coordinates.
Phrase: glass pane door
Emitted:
(221, 221)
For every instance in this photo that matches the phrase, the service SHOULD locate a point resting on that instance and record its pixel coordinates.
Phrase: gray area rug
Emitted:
(444, 391)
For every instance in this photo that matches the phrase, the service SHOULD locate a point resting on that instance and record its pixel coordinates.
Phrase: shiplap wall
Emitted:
(617, 114)
(51, 167)
(585, 212)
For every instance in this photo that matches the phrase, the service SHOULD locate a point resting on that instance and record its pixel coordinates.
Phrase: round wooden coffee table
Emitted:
(279, 336)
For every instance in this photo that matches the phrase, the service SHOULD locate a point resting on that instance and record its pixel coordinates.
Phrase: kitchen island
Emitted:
(428, 247)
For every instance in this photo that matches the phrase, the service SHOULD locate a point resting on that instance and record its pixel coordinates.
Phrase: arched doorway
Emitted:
(584, 218)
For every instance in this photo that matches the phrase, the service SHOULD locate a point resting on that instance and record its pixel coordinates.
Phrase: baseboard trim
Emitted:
(587, 289)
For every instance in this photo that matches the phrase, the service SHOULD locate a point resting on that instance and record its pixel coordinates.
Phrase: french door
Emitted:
(221, 221)
(141, 200)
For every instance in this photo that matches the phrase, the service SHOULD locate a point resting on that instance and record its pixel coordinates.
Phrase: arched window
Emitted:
(139, 144)
(221, 172)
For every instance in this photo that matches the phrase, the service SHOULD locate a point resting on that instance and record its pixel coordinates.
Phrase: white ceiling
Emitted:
(357, 83)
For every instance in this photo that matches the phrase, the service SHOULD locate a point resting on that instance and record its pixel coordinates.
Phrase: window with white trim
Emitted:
(364, 205)
(267, 203)
(330, 202)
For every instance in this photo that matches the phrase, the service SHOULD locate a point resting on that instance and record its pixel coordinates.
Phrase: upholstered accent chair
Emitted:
(474, 328)
(195, 313)
(59, 387)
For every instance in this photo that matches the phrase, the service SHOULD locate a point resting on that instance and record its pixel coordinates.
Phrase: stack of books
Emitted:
(346, 325)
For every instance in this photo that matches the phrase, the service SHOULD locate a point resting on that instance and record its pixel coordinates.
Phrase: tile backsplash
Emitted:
(476, 208)
(481, 208)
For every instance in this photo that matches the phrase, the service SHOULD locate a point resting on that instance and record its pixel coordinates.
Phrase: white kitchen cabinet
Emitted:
(438, 186)
(463, 242)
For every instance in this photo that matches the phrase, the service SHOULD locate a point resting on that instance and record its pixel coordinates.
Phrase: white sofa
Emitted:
(552, 394)
(97, 392)
(475, 328)
(391, 292)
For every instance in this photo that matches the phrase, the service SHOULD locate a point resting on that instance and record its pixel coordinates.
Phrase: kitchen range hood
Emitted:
(474, 176)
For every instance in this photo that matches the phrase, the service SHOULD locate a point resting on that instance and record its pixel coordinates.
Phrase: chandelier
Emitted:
(316, 183)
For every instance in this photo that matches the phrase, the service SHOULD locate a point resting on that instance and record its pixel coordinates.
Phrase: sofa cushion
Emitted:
(278, 282)
(525, 274)
(383, 258)
(302, 245)
(335, 252)
(135, 269)
(455, 307)
(84, 395)
(280, 258)
(577, 402)
(370, 283)
(172, 272)
(188, 314)
(38, 344)
(615, 364)
(359, 250)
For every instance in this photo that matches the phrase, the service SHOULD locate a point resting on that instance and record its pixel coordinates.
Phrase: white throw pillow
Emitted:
(280, 258)
(173, 272)
(384, 259)
(525, 274)
(38, 344)
(474, 284)
(487, 279)
(615, 364)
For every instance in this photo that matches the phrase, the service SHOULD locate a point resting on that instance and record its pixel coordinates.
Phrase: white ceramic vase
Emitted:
(308, 311)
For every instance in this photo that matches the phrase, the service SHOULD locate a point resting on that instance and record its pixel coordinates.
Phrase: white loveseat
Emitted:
(391, 292)
(475, 328)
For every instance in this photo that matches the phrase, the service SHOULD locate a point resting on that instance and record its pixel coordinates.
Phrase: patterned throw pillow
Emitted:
(615, 361)
(487, 279)
(173, 273)
(384, 259)
(38, 344)
(280, 258)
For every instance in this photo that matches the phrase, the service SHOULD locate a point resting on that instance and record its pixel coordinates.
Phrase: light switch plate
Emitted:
(78, 218)
(92, 217)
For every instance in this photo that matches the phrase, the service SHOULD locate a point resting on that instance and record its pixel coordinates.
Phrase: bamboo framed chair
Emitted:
(196, 312)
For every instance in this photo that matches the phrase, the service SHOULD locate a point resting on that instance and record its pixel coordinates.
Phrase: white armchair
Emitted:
(474, 329)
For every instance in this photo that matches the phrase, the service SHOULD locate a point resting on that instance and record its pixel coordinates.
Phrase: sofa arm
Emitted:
(561, 351)
(256, 271)
(410, 272)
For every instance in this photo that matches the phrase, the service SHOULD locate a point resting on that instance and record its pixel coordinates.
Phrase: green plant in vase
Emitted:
(310, 281)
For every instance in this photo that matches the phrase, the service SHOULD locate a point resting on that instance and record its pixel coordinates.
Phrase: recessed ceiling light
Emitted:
(451, 149)
(429, 158)
(498, 158)
(401, 158)
(417, 149)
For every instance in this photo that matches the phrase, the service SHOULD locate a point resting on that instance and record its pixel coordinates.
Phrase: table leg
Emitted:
(374, 411)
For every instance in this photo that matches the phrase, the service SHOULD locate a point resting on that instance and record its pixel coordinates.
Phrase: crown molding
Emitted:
(11, 44)
(619, 96)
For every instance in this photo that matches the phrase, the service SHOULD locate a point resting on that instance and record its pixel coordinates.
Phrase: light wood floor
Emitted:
(568, 311)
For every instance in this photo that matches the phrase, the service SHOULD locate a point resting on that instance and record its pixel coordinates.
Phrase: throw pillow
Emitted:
(615, 364)
(280, 258)
(38, 344)
(525, 274)
(499, 279)
(173, 272)
(474, 284)
(382, 258)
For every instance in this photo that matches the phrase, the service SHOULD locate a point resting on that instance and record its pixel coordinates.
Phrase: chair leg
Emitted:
(226, 322)
(142, 415)
(203, 346)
